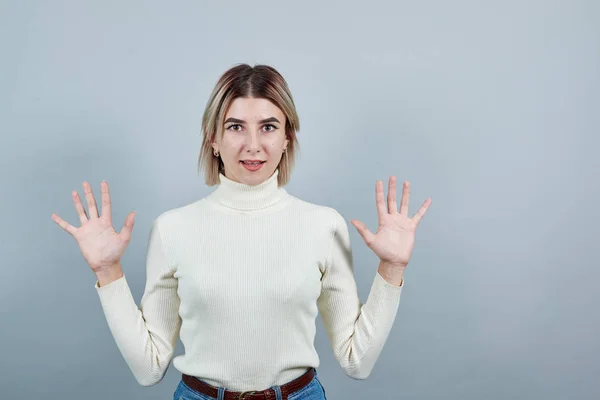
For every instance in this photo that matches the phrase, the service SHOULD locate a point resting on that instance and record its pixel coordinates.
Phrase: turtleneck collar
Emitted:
(244, 197)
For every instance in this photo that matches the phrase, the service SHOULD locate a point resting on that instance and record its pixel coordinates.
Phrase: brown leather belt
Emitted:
(267, 394)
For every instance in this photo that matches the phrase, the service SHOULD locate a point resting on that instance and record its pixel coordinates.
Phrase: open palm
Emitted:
(394, 240)
(101, 246)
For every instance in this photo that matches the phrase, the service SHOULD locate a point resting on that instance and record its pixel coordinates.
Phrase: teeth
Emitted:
(251, 163)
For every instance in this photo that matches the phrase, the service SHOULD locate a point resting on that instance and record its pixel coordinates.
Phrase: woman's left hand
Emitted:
(394, 241)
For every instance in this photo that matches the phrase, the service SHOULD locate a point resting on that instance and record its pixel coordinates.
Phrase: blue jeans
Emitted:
(313, 391)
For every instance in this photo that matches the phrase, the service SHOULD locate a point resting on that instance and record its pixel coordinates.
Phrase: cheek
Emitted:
(273, 149)
(276, 144)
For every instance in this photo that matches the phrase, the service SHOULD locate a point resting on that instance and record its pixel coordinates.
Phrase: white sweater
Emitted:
(240, 276)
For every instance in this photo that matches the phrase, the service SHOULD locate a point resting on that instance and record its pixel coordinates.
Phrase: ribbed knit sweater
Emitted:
(240, 276)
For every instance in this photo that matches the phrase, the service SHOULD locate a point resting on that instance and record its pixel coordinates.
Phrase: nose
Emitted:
(253, 142)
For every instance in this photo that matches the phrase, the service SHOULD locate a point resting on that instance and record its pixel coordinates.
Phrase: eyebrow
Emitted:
(262, 121)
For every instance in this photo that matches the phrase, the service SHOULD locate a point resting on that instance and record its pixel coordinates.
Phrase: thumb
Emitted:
(127, 227)
(364, 232)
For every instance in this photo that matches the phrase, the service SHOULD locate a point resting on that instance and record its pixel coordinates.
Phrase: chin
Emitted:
(256, 177)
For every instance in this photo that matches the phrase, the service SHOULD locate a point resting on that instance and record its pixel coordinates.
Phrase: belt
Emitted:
(267, 394)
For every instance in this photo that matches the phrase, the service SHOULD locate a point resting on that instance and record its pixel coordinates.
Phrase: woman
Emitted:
(241, 274)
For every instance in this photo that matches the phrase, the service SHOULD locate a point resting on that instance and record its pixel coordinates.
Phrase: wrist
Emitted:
(392, 273)
(109, 274)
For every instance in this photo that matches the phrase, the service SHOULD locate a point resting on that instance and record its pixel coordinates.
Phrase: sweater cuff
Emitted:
(384, 295)
(116, 292)
(381, 281)
(383, 301)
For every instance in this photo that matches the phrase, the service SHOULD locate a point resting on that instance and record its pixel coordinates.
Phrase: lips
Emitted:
(252, 167)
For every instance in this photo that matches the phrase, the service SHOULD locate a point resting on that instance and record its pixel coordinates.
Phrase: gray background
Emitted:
(490, 108)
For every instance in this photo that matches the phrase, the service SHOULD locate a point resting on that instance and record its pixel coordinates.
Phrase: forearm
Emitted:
(358, 346)
(146, 340)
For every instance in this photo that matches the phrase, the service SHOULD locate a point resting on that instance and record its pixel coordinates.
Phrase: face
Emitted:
(254, 129)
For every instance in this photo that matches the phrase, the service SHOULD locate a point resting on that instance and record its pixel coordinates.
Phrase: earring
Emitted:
(216, 153)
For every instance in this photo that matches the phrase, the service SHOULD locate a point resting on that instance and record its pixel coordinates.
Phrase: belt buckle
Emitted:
(241, 396)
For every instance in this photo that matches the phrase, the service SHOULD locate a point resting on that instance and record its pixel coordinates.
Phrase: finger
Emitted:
(83, 218)
(64, 224)
(381, 208)
(92, 209)
(405, 198)
(364, 232)
(106, 209)
(419, 215)
(127, 227)
(392, 206)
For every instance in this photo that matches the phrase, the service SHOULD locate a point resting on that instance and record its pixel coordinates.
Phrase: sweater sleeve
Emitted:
(357, 332)
(146, 336)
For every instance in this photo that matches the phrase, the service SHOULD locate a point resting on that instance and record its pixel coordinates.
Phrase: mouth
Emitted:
(252, 166)
(251, 162)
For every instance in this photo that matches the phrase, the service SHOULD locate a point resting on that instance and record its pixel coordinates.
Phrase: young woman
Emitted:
(241, 274)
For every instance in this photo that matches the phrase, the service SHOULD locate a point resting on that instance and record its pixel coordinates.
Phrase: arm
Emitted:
(356, 332)
(146, 336)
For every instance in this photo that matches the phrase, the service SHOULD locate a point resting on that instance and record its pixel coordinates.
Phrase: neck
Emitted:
(244, 197)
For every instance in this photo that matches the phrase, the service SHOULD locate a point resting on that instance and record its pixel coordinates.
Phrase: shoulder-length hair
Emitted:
(242, 80)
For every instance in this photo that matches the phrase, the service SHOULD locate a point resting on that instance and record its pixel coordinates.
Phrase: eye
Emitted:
(270, 125)
(234, 125)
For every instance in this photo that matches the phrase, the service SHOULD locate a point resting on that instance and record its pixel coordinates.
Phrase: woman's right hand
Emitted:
(101, 246)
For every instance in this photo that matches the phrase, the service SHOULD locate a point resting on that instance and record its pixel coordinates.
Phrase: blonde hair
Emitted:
(242, 80)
